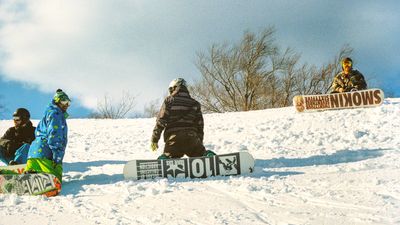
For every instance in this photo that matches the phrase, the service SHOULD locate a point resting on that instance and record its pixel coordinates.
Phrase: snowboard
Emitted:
(192, 167)
(30, 184)
(354, 99)
(19, 169)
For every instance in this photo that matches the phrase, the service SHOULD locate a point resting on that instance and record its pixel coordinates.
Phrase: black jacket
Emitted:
(14, 138)
(179, 112)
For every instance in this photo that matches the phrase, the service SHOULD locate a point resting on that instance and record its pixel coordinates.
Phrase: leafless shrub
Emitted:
(256, 74)
(108, 109)
(151, 109)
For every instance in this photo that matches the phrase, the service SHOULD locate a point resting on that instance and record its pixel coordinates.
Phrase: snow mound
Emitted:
(332, 167)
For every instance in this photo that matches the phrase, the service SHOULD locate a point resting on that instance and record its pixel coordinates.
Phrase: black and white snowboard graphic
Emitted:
(195, 167)
(13, 168)
(28, 184)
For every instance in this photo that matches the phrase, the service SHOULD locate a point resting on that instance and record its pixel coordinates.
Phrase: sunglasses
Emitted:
(346, 63)
(65, 103)
(17, 119)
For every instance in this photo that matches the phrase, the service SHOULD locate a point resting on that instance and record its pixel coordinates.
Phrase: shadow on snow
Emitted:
(84, 166)
(344, 156)
(75, 185)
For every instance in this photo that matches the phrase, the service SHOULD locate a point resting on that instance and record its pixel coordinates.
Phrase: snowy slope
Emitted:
(333, 167)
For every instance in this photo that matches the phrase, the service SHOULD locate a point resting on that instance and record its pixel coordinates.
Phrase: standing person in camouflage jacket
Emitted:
(181, 119)
(348, 79)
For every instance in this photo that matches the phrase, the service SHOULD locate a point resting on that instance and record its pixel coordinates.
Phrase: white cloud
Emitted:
(89, 49)
(94, 47)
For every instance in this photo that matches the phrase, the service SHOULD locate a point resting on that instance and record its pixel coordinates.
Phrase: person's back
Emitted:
(181, 119)
(184, 113)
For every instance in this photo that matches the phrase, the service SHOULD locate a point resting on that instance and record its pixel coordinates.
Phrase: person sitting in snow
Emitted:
(47, 151)
(181, 119)
(349, 79)
(14, 144)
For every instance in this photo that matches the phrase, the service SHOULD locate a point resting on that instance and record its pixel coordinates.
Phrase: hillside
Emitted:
(333, 167)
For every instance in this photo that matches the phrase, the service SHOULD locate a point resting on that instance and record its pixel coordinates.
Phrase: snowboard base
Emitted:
(347, 100)
(18, 169)
(30, 184)
(195, 167)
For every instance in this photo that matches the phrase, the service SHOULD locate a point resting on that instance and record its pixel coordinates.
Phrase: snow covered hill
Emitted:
(333, 167)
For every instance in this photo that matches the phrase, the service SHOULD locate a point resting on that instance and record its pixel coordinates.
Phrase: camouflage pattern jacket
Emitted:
(355, 80)
(179, 112)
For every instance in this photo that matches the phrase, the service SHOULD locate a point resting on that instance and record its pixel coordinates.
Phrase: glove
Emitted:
(154, 146)
(9, 150)
(58, 166)
(354, 89)
(54, 164)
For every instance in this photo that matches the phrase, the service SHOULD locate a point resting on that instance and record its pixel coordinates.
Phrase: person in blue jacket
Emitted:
(47, 151)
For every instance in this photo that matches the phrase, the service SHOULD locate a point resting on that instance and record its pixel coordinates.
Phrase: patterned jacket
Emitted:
(15, 137)
(179, 112)
(51, 136)
(355, 80)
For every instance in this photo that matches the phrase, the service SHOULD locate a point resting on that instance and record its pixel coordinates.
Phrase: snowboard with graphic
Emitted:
(19, 169)
(354, 99)
(30, 184)
(194, 167)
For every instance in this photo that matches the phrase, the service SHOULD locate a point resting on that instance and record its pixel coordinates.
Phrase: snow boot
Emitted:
(163, 156)
(209, 153)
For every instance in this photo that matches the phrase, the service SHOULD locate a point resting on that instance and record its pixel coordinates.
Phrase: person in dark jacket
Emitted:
(349, 79)
(181, 119)
(14, 144)
(46, 152)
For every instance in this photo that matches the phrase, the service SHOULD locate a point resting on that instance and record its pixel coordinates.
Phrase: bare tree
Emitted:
(151, 109)
(108, 109)
(238, 78)
(255, 74)
(285, 86)
(313, 80)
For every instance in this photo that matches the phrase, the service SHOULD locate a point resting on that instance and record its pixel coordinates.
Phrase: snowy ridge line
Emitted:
(331, 167)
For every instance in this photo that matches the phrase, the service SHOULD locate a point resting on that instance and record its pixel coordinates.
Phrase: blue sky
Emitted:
(16, 95)
(96, 47)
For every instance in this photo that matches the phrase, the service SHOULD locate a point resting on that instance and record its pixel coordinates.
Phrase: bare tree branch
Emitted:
(256, 74)
(151, 109)
(108, 109)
